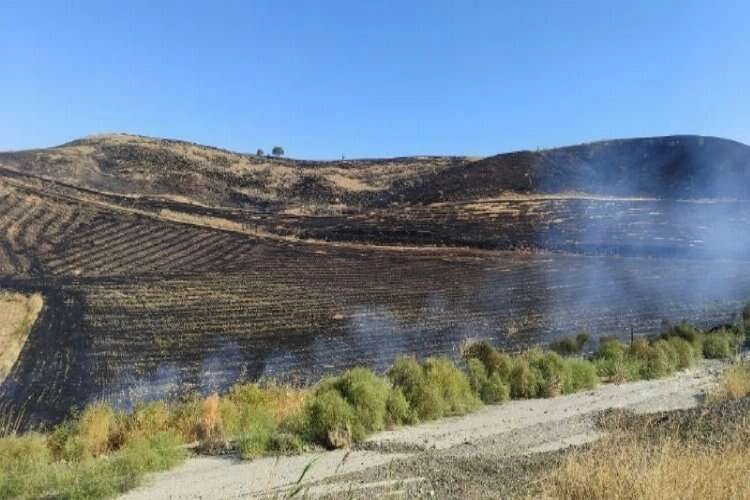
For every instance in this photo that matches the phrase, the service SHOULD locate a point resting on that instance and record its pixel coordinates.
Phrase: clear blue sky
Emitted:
(373, 78)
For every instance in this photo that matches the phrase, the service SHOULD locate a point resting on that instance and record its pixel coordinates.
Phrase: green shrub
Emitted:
(565, 347)
(687, 332)
(494, 390)
(524, 380)
(639, 348)
(424, 399)
(253, 429)
(686, 353)
(718, 345)
(251, 395)
(24, 466)
(611, 348)
(617, 371)
(477, 374)
(367, 394)
(655, 362)
(582, 374)
(493, 360)
(397, 408)
(143, 454)
(452, 385)
(569, 346)
(554, 372)
(673, 357)
(329, 419)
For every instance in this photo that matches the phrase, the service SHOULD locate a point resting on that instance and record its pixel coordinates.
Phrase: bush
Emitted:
(671, 353)
(570, 345)
(452, 385)
(524, 381)
(582, 374)
(611, 348)
(256, 432)
(185, 418)
(477, 374)
(147, 420)
(95, 425)
(24, 467)
(687, 332)
(554, 373)
(329, 419)
(397, 408)
(686, 353)
(493, 360)
(718, 345)
(620, 370)
(565, 347)
(494, 390)
(424, 399)
(655, 361)
(367, 394)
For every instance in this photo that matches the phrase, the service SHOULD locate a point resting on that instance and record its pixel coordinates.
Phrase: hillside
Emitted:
(167, 267)
(677, 167)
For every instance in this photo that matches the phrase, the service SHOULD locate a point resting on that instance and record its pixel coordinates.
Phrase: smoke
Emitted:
(679, 253)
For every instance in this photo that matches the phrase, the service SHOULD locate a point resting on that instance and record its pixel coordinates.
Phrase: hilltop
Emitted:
(674, 167)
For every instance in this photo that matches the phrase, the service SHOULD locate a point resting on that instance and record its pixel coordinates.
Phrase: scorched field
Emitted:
(158, 296)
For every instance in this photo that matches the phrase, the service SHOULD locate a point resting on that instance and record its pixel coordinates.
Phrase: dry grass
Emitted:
(626, 466)
(17, 315)
(285, 401)
(96, 425)
(733, 384)
(210, 420)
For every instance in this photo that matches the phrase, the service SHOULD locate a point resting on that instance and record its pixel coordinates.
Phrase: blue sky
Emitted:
(383, 78)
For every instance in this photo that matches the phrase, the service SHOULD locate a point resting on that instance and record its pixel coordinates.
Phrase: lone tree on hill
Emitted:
(260, 152)
(277, 151)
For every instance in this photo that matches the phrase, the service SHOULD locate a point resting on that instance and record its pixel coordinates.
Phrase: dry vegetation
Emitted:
(17, 315)
(625, 466)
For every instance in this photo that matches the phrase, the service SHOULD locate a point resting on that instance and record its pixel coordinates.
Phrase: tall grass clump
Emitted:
(718, 345)
(734, 383)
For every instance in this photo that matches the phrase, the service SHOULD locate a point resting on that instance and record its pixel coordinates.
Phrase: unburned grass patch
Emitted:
(626, 466)
(17, 315)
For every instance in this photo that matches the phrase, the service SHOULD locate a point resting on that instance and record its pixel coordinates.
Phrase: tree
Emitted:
(277, 151)
(259, 152)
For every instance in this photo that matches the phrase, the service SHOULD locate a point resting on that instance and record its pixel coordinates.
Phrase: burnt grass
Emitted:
(138, 307)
